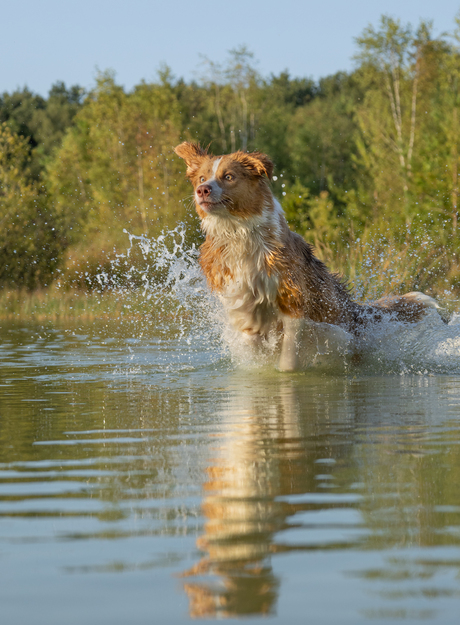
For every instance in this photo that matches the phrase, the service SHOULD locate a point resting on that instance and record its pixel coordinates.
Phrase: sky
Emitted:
(65, 40)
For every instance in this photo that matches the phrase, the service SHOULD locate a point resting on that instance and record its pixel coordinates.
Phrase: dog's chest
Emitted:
(248, 288)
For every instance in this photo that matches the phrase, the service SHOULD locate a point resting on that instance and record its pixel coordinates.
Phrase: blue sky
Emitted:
(42, 42)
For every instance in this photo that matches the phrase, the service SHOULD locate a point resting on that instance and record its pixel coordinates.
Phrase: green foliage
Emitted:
(30, 248)
(320, 140)
(314, 217)
(43, 122)
(116, 170)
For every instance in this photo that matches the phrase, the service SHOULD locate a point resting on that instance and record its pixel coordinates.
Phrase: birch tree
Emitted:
(391, 60)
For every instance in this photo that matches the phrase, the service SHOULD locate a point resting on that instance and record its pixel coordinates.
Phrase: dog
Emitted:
(267, 276)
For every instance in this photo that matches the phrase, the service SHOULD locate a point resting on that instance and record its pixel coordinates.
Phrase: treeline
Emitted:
(366, 163)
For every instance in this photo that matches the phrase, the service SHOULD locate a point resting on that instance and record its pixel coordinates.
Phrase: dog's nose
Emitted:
(203, 191)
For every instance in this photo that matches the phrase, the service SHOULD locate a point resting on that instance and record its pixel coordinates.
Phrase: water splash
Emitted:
(163, 276)
(430, 346)
(165, 300)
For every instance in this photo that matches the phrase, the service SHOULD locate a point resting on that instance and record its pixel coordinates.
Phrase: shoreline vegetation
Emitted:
(367, 165)
(55, 304)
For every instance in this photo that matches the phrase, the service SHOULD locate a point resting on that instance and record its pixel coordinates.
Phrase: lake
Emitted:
(148, 474)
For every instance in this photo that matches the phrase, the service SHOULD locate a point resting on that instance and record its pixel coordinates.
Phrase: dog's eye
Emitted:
(202, 179)
(229, 177)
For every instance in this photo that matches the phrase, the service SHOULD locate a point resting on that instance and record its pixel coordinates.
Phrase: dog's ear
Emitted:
(265, 163)
(193, 155)
(258, 163)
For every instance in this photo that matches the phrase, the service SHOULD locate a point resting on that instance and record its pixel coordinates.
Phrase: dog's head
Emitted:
(235, 184)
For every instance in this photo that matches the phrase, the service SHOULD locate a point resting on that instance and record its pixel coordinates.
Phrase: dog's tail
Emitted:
(410, 307)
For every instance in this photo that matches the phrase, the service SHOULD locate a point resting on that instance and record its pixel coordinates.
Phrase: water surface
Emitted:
(154, 479)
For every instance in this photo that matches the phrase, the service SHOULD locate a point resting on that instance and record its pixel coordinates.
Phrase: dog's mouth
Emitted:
(209, 206)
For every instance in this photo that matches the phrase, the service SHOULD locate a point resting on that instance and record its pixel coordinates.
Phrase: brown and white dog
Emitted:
(266, 275)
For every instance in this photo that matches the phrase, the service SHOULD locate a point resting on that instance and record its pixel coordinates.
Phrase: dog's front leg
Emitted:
(289, 358)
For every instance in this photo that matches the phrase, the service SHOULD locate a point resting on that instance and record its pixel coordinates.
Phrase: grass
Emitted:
(55, 304)
(377, 264)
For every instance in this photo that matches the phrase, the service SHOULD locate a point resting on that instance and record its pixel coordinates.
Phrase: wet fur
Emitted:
(266, 275)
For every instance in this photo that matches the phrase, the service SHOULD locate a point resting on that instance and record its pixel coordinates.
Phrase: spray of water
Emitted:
(163, 290)
(163, 275)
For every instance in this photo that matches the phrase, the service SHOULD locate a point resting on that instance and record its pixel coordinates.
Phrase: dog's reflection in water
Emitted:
(267, 449)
